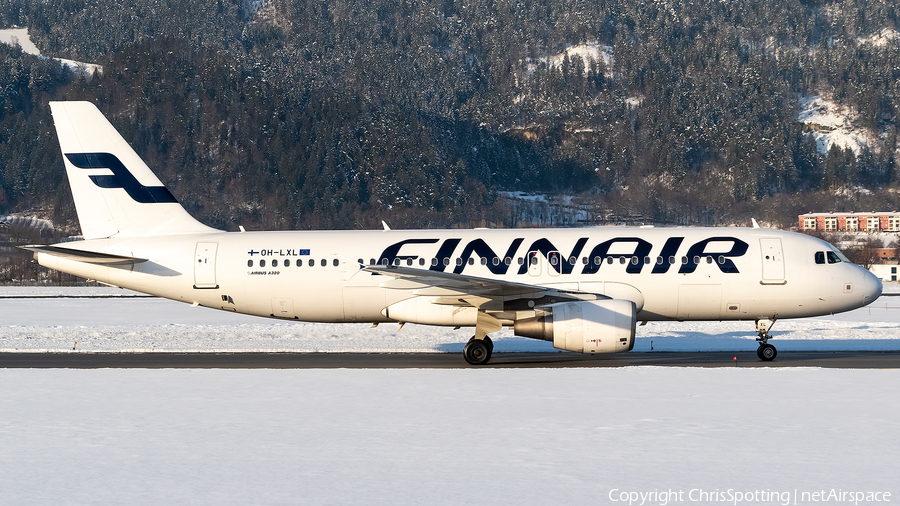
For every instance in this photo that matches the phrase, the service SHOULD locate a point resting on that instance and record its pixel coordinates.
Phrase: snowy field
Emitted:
(631, 435)
(122, 323)
(468, 436)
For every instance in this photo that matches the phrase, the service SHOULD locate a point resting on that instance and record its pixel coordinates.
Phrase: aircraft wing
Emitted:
(90, 257)
(459, 289)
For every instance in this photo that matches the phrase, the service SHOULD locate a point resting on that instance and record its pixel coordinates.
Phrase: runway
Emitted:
(81, 360)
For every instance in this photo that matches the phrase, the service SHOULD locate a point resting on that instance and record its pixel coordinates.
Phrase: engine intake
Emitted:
(597, 326)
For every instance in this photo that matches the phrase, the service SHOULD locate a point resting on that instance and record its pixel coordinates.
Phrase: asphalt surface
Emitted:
(83, 360)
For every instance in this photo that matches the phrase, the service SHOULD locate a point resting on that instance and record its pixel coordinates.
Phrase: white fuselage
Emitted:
(670, 273)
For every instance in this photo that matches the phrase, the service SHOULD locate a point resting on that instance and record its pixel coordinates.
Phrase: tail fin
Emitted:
(115, 192)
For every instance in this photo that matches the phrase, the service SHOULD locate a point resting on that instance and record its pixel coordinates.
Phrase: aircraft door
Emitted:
(772, 261)
(205, 265)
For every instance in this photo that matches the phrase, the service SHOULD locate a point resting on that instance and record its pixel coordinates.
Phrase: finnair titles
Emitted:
(584, 290)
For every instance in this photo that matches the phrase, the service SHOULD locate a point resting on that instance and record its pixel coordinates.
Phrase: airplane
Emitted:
(583, 289)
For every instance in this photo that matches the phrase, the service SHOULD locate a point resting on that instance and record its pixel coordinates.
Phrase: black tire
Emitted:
(767, 352)
(759, 352)
(476, 352)
(489, 343)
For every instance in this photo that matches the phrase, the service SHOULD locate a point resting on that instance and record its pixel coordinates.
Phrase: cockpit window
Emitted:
(833, 257)
(820, 257)
(841, 257)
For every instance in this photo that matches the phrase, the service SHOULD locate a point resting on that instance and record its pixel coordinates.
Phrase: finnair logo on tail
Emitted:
(120, 178)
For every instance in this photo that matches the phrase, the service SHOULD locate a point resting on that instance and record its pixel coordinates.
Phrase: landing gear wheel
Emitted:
(490, 346)
(477, 352)
(767, 352)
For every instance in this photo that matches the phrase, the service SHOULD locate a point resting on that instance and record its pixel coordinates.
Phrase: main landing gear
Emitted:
(478, 351)
(766, 352)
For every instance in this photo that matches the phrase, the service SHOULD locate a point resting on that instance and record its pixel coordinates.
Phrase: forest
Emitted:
(296, 114)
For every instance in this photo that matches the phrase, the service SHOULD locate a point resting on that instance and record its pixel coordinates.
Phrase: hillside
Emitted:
(294, 114)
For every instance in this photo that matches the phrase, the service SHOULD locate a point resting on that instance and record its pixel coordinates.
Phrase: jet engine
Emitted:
(597, 326)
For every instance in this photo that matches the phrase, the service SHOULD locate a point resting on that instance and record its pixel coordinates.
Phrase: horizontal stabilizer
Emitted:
(88, 257)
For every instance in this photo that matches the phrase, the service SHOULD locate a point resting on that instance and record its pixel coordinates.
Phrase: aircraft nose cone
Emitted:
(871, 287)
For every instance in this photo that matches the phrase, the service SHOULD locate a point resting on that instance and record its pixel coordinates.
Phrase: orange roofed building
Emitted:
(851, 222)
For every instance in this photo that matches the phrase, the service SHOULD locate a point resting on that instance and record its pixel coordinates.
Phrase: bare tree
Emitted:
(866, 254)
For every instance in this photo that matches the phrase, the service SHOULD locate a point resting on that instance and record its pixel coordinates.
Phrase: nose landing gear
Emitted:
(766, 352)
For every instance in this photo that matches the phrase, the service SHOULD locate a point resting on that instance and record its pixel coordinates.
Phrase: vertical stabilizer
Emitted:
(115, 192)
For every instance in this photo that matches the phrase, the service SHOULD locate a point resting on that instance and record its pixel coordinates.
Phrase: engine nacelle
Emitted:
(596, 326)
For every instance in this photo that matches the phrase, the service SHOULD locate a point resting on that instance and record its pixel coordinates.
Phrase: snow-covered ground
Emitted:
(834, 124)
(20, 36)
(881, 38)
(121, 322)
(413, 437)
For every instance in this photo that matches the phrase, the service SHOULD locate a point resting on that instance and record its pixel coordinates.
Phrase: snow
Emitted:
(587, 51)
(435, 436)
(508, 436)
(20, 36)
(881, 38)
(122, 321)
(834, 124)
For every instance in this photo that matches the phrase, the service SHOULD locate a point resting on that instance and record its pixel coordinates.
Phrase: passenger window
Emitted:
(371, 261)
(384, 261)
(408, 262)
(434, 261)
(336, 262)
(709, 260)
(262, 263)
(421, 261)
(671, 260)
(287, 263)
(621, 260)
(584, 260)
(521, 261)
(471, 261)
(534, 260)
(496, 261)
(312, 263)
(446, 261)
(324, 262)
(598, 260)
(359, 261)
(820, 257)
(249, 263)
(483, 261)
(659, 260)
(274, 263)
(609, 260)
(833, 258)
(507, 260)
